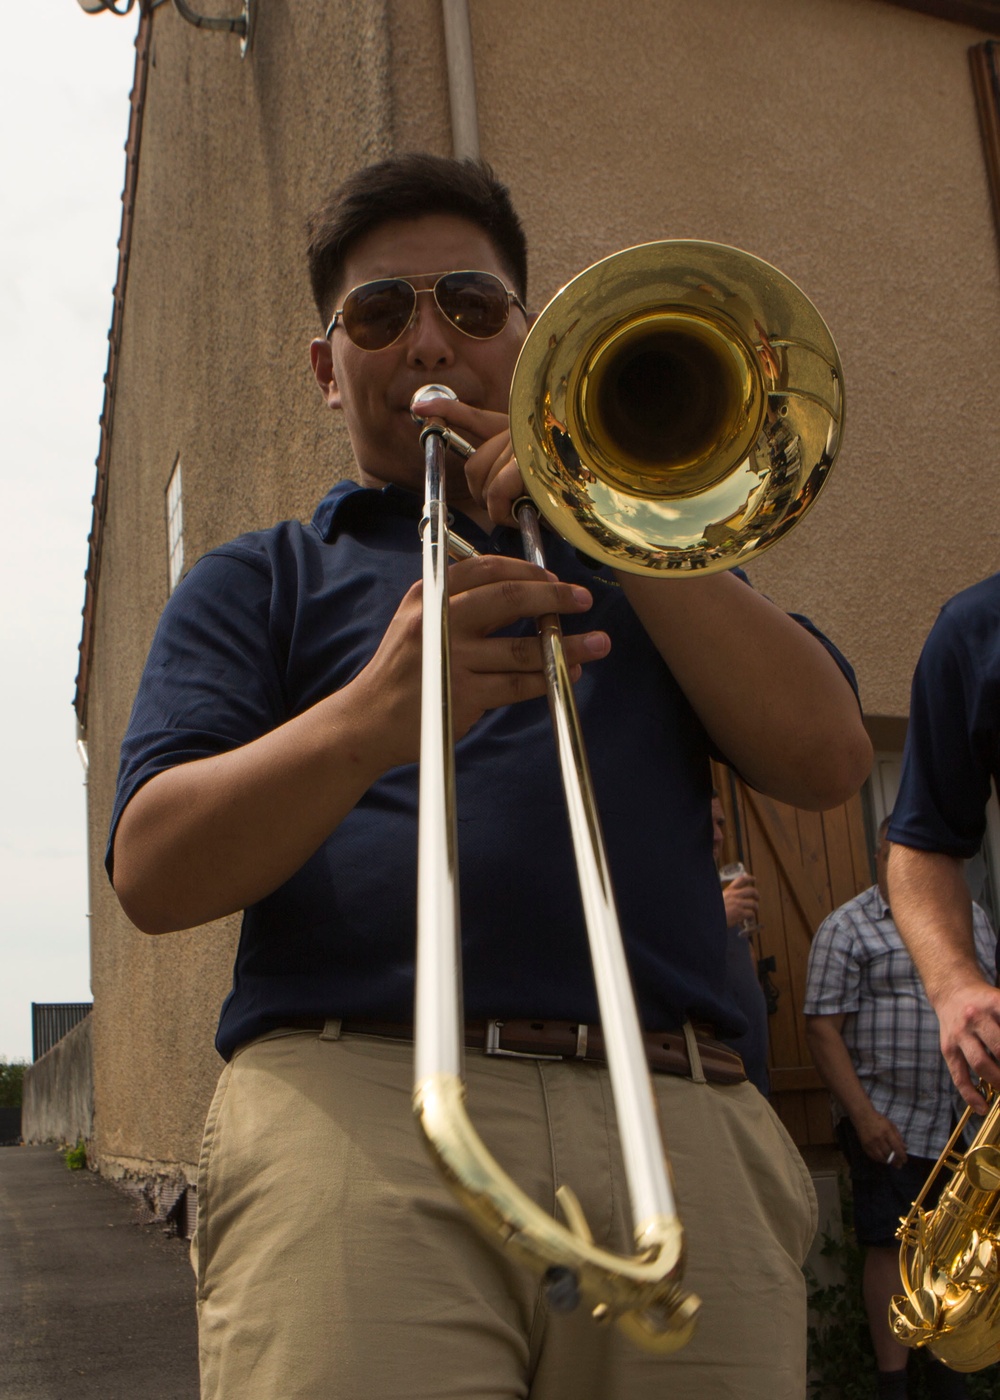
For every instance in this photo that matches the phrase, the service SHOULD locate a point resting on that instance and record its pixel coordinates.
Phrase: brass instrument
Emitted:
(673, 411)
(949, 1257)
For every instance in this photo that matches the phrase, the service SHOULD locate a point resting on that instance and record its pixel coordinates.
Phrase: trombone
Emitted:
(674, 410)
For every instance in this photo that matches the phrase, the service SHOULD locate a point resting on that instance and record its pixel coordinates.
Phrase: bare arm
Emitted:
(878, 1135)
(933, 912)
(208, 837)
(770, 695)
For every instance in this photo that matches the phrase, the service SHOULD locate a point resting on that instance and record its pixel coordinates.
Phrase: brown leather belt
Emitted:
(666, 1051)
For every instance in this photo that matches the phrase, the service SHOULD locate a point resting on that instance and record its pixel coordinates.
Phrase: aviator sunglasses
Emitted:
(376, 314)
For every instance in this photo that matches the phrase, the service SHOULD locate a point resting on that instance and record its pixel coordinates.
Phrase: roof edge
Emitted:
(137, 99)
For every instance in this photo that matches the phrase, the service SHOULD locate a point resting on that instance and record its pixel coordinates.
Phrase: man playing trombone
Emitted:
(270, 766)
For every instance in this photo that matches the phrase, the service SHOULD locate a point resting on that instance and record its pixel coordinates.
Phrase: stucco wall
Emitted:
(837, 139)
(58, 1103)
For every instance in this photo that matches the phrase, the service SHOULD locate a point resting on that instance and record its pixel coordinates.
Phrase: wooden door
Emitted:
(806, 864)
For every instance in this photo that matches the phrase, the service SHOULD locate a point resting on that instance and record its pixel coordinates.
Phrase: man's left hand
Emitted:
(491, 472)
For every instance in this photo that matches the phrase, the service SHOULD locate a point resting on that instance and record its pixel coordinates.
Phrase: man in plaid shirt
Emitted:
(875, 1042)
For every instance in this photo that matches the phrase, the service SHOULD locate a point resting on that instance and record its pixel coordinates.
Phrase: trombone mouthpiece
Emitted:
(428, 392)
(436, 427)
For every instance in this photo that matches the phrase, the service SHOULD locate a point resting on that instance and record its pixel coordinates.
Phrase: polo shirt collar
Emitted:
(348, 500)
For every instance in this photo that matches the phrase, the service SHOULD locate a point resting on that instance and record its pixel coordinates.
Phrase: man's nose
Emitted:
(430, 341)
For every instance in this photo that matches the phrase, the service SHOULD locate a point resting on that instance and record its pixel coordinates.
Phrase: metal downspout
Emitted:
(461, 79)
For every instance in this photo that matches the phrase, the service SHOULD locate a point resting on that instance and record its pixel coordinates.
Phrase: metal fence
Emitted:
(51, 1020)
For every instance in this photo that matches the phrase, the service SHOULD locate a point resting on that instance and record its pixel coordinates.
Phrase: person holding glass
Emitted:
(742, 900)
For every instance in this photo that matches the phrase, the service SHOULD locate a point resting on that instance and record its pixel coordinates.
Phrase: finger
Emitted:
(481, 423)
(897, 1148)
(490, 691)
(503, 487)
(981, 1062)
(482, 611)
(491, 655)
(494, 480)
(482, 467)
(959, 1069)
(486, 569)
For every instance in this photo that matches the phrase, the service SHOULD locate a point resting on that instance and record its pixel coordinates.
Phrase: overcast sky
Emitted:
(64, 110)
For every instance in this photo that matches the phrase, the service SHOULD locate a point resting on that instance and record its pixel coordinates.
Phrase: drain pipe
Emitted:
(461, 79)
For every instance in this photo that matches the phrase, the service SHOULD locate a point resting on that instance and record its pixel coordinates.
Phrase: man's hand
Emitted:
(205, 838)
(880, 1138)
(742, 900)
(486, 594)
(492, 476)
(969, 1017)
(933, 912)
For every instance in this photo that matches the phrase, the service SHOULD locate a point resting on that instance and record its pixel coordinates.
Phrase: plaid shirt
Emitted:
(858, 964)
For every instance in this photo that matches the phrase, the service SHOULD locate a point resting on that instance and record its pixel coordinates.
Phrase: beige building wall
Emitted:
(836, 138)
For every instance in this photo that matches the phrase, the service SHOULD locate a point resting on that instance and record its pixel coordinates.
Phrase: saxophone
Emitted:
(949, 1257)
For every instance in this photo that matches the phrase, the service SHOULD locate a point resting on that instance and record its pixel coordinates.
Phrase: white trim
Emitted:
(175, 528)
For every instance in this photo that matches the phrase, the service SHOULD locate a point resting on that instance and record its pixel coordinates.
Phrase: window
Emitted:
(175, 529)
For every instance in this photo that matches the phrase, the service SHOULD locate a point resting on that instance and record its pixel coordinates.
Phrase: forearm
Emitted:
(932, 909)
(769, 694)
(207, 838)
(836, 1068)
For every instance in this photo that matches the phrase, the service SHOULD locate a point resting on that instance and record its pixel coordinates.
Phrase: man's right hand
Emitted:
(742, 900)
(969, 1018)
(205, 838)
(933, 912)
(486, 594)
(880, 1138)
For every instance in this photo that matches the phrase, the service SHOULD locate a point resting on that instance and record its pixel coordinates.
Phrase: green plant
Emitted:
(76, 1157)
(11, 1083)
(841, 1356)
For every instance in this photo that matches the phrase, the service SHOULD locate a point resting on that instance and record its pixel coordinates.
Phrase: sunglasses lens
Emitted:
(476, 302)
(378, 313)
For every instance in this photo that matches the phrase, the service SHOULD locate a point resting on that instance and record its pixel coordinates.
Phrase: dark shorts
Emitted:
(883, 1194)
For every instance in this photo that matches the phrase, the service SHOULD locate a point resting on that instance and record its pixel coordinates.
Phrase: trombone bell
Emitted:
(665, 401)
(676, 408)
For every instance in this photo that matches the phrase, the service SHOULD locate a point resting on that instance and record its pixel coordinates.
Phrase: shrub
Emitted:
(76, 1157)
(11, 1082)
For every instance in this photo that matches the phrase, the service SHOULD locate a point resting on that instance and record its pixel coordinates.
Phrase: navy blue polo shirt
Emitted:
(953, 740)
(264, 627)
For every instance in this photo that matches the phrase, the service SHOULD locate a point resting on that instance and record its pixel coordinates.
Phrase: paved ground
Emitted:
(94, 1305)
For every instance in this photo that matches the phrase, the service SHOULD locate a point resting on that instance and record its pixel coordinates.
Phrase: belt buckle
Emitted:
(491, 1046)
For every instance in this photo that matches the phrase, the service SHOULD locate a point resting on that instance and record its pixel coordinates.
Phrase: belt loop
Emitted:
(694, 1054)
(582, 1031)
(331, 1029)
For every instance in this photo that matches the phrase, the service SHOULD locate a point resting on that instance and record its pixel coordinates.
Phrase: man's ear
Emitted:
(321, 355)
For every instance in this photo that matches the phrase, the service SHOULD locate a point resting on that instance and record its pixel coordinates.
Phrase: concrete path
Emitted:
(94, 1305)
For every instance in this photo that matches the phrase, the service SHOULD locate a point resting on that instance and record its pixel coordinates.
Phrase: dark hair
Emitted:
(407, 187)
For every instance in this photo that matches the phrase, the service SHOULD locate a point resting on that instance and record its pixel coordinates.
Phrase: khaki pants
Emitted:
(334, 1265)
